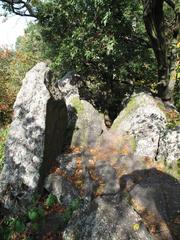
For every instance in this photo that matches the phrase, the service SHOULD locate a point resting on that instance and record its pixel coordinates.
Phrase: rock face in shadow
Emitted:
(155, 196)
(35, 138)
(106, 218)
(85, 123)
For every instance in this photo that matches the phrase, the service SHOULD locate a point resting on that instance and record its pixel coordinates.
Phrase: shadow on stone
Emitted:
(71, 127)
(56, 124)
(155, 196)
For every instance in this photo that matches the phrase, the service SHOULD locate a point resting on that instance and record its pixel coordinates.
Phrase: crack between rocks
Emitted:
(158, 145)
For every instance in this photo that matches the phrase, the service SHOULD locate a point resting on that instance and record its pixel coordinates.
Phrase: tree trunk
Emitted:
(154, 23)
(169, 91)
(174, 58)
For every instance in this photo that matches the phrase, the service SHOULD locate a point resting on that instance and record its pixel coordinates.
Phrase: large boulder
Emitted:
(145, 120)
(106, 218)
(85, 123)
(35, 138)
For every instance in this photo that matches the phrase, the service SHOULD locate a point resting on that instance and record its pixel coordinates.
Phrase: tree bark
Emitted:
(166, 57)
(174, 57)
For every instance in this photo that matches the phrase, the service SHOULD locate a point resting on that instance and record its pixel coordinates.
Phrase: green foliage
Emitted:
(30, 223)
(104, 41)
(177, 91)
(10, 226)
(30, 49)
(13, 66)
(3, 137)
(7, 94)
(19, 226)
(74, 205)
(51, 200)
(35, 214)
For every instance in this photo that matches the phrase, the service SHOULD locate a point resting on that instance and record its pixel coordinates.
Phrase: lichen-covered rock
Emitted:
(85, 123)
(169, 147)
(106, 218)
(142, 118)
(35, 138)
(61, 188)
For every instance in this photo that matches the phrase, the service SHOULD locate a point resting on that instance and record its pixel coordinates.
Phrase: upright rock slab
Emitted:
(85, 123)
(35, 139)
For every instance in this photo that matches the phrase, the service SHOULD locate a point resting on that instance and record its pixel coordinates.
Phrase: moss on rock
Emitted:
(174, 169)
(77, 104)
(132, 105)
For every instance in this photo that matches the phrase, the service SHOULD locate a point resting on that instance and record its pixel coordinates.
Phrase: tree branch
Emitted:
(170, 3)
(20, 7)
(137, 40)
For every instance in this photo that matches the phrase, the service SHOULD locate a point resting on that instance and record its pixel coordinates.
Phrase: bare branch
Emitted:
(21, 7)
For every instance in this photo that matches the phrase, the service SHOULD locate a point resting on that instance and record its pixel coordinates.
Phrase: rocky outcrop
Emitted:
(117, 175)
(85, 123)
(106, 218)
(35, 138)
(142, 118)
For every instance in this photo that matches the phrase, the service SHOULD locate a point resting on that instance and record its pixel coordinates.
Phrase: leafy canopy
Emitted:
(104, 41)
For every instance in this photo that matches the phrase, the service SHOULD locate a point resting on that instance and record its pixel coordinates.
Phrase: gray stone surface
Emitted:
(35, 139)
(108, 176)
(106, 218)
(61, 188)
(85, 123)
(88, 126)
(143, 119)
(155, 196)
(169, 147)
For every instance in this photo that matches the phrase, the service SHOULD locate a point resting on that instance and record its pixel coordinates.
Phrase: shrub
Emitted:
(3, 137)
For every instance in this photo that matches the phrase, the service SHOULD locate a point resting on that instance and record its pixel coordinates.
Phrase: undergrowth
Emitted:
(29, 225)
(3, 137)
